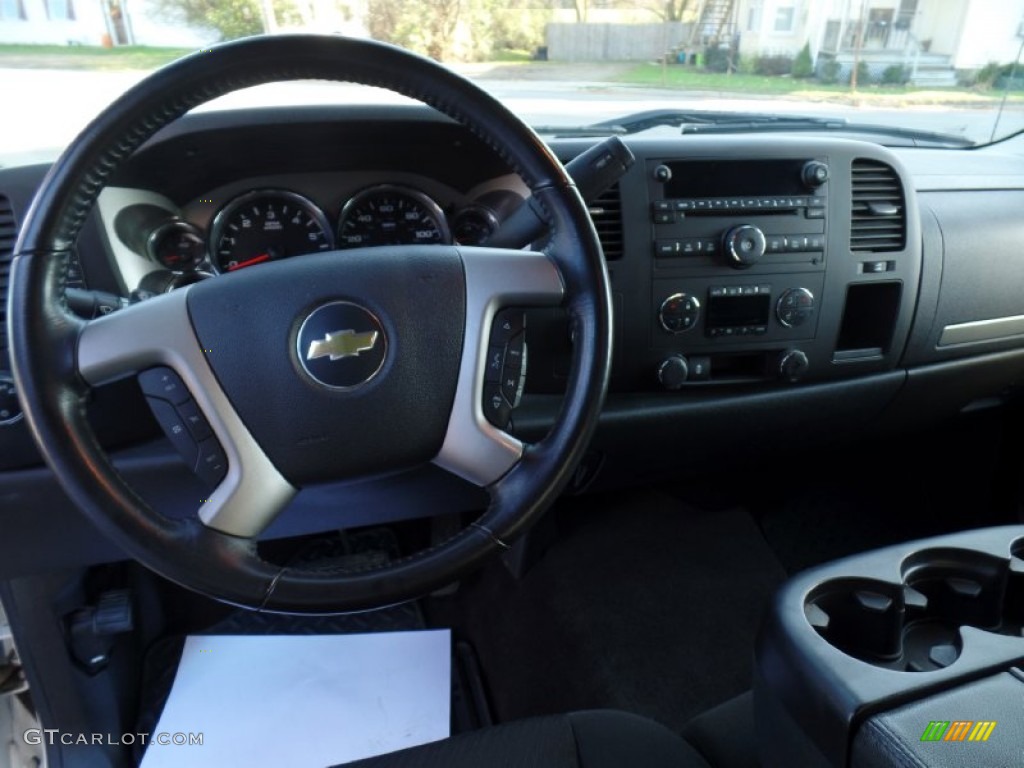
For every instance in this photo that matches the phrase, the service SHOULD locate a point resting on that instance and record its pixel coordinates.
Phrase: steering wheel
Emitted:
(284, 411)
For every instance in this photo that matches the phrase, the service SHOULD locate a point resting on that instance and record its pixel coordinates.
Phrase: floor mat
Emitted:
(642, 604)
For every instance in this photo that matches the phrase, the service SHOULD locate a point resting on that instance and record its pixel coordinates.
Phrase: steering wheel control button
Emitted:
(165, 384)
(10, 407)
(495, 362)
(507, 324)
(507, 355)
(679, 313)
(341, 345)
(794, 307)
(175, 428)
(197, 425)
(211, 463)
(497, 409)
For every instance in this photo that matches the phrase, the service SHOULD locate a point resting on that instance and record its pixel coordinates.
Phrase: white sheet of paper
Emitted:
(304, 700)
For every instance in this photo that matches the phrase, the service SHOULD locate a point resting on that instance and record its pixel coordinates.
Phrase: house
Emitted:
(94, 22)
(934, 39)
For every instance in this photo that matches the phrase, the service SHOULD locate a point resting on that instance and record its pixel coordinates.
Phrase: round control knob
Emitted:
(744, 245)
(679, 313)
(662, 173)
(673, 371)
(10, 408)
(794, 307)
(814, 174)
(793, 364)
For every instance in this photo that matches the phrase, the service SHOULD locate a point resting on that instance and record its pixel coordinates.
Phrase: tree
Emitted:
(803, 64)
(426, 26)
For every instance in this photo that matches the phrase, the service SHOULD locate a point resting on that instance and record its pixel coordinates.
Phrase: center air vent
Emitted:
(879, 218)
(8, 233)
(606, 211)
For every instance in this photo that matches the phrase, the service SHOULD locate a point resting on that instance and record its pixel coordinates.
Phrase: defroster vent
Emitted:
(606, 211)
(879, 217)
(8, 234)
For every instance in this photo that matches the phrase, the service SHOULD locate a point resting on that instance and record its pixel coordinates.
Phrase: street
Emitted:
(45, 109)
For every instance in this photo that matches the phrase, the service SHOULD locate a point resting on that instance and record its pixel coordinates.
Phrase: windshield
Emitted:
(915, 71)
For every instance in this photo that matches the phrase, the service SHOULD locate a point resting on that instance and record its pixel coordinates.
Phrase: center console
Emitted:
(762, 263)
(907, 656)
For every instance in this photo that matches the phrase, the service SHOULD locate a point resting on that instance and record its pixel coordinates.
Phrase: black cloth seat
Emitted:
(593, 739)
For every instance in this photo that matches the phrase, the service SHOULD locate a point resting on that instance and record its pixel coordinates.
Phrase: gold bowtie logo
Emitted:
(341, 344)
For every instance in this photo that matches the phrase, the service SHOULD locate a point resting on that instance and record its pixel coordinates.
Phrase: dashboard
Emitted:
(771, 293)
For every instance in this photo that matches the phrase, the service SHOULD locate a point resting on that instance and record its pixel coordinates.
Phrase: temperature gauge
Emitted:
(177, 245)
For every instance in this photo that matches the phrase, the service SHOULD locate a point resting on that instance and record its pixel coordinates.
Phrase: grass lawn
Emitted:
(686, 78)
(87, 56)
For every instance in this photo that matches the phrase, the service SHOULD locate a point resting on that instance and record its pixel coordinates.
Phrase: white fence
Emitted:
(614, 42)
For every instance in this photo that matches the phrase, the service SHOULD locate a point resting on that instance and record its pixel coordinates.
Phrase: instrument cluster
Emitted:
(273, 223)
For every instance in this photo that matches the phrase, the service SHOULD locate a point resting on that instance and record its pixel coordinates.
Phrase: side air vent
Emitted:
(879, 219)
(606, 211)
(8, 233)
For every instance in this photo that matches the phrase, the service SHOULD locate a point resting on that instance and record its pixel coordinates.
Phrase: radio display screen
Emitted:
(734, 178)
(734, 311)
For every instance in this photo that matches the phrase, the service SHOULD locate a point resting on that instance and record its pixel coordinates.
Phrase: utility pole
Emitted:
(857, 46)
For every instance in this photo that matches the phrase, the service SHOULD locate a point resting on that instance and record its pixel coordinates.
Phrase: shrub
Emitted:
(863, 74)
(773, 65)
(717, 59)
(803, 65)
(829, 72)
(895, 74)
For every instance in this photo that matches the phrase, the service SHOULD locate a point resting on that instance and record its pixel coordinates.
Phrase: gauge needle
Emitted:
(249, 262)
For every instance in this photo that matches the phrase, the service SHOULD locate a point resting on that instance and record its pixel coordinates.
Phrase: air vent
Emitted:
(606, 211)
(879, 220)
(8, 233)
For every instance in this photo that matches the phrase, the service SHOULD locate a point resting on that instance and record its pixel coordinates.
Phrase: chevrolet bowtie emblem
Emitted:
(341, 344)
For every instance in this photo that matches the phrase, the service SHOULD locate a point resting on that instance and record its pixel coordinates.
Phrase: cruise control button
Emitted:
(496, 408)
(164, 383)
(212, 464)
(175, 428)
(194, 420)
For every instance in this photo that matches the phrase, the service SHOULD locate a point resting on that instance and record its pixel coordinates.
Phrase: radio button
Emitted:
(666, 248)
(815, 213)
(661, 205)
(744, 245)
(684, 205)
(689, 247)
(774, 244)
(663, 217)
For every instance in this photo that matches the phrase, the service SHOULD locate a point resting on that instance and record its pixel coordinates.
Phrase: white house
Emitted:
(91, 22)
(935, 37)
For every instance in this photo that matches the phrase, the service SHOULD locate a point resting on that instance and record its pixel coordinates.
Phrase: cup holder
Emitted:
(915, 626)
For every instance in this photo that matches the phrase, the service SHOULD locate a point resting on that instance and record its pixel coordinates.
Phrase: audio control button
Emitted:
(744, 245)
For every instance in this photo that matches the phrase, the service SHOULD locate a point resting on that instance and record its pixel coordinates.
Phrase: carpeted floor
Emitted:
(642, 604)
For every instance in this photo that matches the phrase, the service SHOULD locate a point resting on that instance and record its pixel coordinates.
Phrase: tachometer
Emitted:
(267, 225)
(391, 215)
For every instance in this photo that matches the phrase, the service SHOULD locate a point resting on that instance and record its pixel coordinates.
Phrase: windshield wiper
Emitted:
(717, 122)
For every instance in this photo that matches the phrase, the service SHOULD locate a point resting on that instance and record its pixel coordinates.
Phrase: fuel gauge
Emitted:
(177, 245)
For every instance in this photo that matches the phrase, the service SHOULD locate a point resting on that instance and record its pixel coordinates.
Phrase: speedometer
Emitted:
(391, 215)
(267, 225)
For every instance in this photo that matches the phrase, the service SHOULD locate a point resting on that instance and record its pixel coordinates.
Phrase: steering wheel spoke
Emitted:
(474, 448)
(250, 492)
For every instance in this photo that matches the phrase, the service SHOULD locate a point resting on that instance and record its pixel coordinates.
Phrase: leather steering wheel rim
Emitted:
(47, 341)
